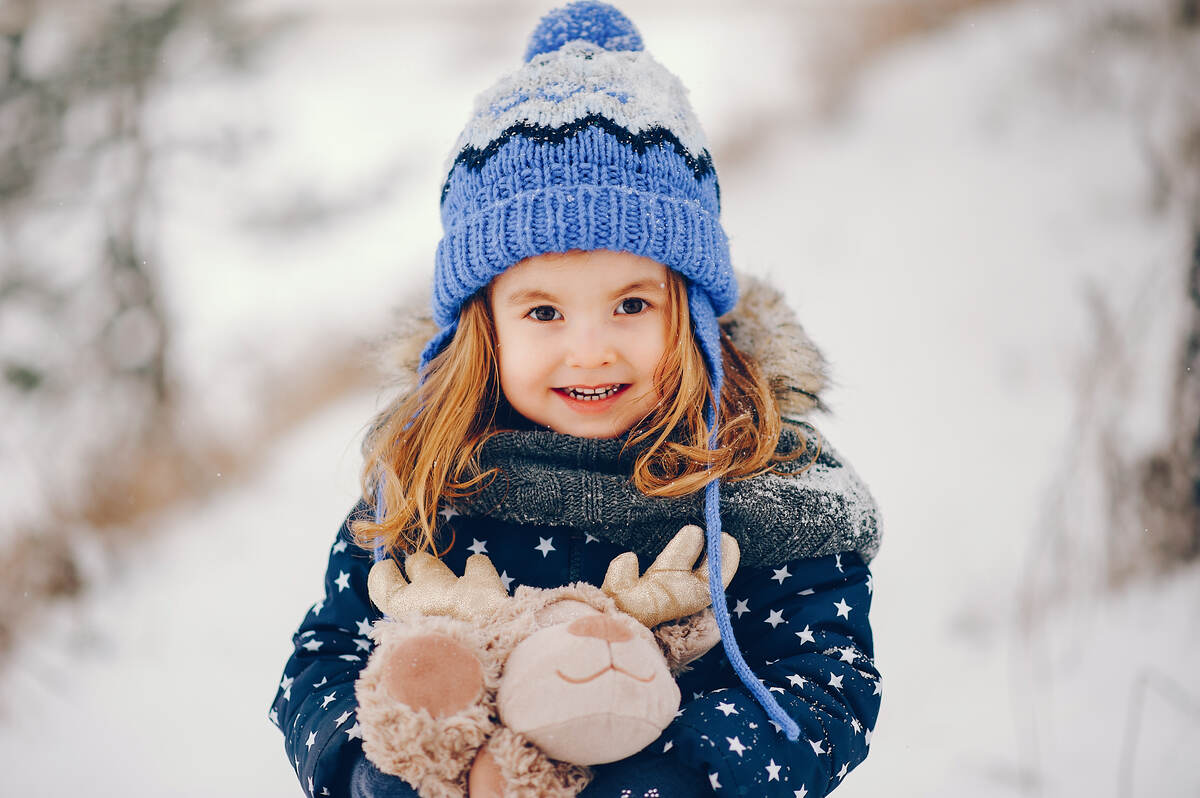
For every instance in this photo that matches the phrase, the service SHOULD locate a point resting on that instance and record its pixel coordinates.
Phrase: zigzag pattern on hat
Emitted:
(592, 156)
(473, 159)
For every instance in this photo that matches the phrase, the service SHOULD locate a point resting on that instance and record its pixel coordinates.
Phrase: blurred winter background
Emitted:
(986, 213)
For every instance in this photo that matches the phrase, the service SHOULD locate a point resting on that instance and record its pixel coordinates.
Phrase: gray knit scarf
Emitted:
(811, 508)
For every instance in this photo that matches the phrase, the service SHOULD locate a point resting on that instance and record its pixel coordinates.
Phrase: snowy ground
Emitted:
(936, 237)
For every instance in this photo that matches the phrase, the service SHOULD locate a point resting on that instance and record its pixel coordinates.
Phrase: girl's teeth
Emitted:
(592, 394)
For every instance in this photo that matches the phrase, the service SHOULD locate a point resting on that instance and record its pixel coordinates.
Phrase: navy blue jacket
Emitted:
(802, 626)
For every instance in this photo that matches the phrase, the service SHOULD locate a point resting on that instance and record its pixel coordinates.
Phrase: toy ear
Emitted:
(687, 639)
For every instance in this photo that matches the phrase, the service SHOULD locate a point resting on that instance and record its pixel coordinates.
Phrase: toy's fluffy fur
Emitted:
(428, 752)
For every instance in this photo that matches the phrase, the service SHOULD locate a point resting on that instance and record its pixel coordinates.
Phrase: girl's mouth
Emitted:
(596, 394)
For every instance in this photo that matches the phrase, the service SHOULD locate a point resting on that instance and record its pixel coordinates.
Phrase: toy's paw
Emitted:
(485, 779)
(423, 702)
(433, 672)
(686, 640)
(522, 770)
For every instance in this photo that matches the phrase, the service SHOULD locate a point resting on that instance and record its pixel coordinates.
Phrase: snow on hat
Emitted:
(592, 144)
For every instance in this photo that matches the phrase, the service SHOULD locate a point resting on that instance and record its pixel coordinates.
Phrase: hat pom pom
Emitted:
(598, 23)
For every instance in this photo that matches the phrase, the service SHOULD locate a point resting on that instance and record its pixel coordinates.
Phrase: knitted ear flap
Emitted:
(379, 552)
(707, 332)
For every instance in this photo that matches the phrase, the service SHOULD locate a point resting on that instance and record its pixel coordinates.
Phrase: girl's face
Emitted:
(580, 335)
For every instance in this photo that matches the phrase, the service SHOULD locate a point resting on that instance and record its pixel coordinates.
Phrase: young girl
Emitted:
(578, 399)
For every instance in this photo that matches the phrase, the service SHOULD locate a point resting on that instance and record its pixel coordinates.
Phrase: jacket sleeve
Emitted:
(315, 706)
(803, 630)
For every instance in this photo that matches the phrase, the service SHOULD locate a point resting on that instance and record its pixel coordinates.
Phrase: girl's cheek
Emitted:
(645, 326)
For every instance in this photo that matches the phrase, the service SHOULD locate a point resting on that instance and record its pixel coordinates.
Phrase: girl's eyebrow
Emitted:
(641, 285)
(528, 295)
(537, 295)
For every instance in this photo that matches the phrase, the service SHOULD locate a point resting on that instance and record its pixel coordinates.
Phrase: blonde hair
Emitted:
(423, 448)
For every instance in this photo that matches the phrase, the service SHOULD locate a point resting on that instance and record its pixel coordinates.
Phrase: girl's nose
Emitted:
(590, 349)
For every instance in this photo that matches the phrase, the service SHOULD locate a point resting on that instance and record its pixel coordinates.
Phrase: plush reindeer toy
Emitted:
(470, 691)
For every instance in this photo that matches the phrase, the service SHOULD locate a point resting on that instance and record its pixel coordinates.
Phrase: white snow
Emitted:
(937, 236)
(158, 683)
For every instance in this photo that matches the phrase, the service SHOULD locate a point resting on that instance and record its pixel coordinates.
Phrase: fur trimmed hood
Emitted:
(762, 325)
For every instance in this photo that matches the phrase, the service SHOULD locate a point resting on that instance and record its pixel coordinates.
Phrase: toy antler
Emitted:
(670, 588)
(434, 589)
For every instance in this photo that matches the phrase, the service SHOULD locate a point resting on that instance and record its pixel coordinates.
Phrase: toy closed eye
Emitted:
(601, 672)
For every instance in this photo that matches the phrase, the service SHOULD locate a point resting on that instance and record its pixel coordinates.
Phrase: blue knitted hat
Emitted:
(592, 144)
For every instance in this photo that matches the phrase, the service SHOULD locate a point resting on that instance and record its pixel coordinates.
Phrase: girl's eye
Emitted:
(632, 306)
(544, 313)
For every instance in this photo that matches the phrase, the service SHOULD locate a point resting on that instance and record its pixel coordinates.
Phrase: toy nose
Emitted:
(600, 627)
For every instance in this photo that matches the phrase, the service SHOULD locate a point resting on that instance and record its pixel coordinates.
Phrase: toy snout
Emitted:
(592, 687)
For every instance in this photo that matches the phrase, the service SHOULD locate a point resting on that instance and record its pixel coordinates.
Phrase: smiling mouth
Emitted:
(596, 394)
(601, 672)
